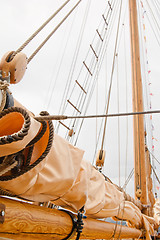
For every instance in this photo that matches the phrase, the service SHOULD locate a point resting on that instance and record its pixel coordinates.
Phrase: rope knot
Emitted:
(4, 85)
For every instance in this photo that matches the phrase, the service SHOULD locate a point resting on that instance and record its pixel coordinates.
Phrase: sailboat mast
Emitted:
(138, 121)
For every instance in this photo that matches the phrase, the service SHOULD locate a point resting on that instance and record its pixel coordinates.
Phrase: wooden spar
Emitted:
(138, 121)
(28, 221)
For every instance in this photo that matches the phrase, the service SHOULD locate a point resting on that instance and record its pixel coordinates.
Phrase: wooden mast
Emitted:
(138, 121)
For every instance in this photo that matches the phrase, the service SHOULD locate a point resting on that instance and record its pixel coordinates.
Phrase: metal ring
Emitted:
(74, 222)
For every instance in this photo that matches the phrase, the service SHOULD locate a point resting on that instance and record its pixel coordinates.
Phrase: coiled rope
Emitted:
(23, 132)
(28, 167)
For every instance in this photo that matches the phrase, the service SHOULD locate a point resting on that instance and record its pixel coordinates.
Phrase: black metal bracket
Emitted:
(77, 223)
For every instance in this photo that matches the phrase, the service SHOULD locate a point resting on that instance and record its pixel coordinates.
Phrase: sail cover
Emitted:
(62, 176)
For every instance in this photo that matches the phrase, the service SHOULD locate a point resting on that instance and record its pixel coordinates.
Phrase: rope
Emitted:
(154, 156)
(128, 179)
(64, 117)
(44, 154)
(22, 133)
(3, 86)
(54, 30)
(8, 164)
(155, 174)
(38, 30)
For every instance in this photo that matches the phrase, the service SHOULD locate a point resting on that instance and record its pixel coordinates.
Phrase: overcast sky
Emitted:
(19, 19)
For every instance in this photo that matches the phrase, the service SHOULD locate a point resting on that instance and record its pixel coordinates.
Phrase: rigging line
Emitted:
(154, 156)
(143, 61)
(100, 64)
(109, 94)
(145, 78)
(52, 86)
(128, 179)
(75, 56)
(157, 9)
(54, 30)
(111, 26)
(157, 38)
(119, 153)
(84, 86)
(126, 74)
(38, 30)
(153, 15)
(148, 122)
(155, 174)
(64, 117)
(85, 82)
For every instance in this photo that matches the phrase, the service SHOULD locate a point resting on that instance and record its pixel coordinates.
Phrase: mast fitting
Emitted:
(138, 193)
(100, 158)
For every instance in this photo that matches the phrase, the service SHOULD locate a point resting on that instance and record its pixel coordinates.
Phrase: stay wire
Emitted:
(153, 29)
(155, 174)
(84, 86)
(109, 94)
(119, 141)
(101, 56)
(100, 129)
(154, 157)
(76, 53)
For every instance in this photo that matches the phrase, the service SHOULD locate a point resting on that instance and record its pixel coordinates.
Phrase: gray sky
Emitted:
(19, 19)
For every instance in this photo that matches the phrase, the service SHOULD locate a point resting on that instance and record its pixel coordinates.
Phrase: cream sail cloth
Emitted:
(69, 181)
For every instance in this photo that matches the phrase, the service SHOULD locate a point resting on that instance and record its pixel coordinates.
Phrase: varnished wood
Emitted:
(27, 221)
(138, 121)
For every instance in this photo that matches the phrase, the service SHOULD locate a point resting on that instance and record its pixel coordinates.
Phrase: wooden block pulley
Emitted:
(13, 68)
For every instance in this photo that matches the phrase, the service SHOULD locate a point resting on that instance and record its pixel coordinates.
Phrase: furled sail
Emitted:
(61, 175)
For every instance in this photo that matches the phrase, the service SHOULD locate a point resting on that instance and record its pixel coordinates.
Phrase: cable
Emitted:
(109, 94)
